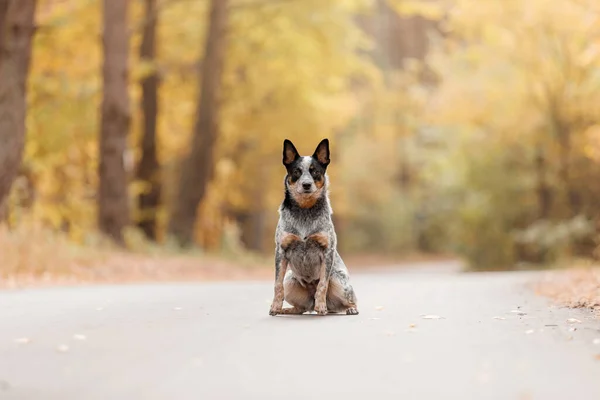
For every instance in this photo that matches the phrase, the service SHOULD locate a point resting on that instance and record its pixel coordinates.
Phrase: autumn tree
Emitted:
(148, 170)
(16, 33)
(113, 202)
(198, 167)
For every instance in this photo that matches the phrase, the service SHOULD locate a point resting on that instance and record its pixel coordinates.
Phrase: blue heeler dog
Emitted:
(309, 273)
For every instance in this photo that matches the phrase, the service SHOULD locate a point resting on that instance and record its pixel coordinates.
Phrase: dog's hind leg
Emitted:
(340, 294)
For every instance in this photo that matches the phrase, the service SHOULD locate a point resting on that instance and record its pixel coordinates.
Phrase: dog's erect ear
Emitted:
(322, 153)
(290, 154)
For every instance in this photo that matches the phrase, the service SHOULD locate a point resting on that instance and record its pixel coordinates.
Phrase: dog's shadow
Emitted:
(311, 315)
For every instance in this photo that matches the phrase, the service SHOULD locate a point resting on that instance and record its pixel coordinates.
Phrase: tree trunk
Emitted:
(198, 167)
(544, 195)
(543, 190)
(17, 29)
(113, 201)
(3, 13)
(148, 170)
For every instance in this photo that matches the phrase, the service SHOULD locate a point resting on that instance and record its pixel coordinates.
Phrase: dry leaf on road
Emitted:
(63, 348)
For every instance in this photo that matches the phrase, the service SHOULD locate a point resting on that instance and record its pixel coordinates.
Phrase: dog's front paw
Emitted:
(275, 310)
(352, 311)
(321, 309)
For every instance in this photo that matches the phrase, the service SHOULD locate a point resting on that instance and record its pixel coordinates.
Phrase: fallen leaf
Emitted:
(483, 377)
(379, 308)
(412, 325)
(63, 348)
(431, 317)
(79, 337)
(573, 321)
(23, 340)
(197, 361)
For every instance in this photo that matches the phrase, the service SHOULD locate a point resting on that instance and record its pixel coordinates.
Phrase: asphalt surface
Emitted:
(217, 341)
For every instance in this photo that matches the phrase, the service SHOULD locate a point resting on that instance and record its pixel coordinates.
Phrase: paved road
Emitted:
(216, 341)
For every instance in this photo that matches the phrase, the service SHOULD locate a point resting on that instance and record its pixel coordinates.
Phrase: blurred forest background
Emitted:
(466, 127)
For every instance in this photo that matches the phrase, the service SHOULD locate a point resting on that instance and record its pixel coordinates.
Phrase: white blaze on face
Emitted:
(306, 177)
(306, 161)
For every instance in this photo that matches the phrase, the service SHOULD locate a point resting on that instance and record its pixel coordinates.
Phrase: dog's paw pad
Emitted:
(352, 311)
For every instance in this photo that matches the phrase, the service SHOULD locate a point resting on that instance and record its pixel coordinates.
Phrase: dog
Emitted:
(309, 272)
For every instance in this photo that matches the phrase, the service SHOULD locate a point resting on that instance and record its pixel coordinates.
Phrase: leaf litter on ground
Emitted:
(62, 348)
(431, 317)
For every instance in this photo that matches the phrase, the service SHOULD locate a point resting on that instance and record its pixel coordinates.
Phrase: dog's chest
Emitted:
(304, 227)
(305, 262)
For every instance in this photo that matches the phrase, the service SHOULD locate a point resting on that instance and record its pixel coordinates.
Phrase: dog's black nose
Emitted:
(307, 186)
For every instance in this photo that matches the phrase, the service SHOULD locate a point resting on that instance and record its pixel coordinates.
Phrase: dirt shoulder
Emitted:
(27, 269)
(575, 288)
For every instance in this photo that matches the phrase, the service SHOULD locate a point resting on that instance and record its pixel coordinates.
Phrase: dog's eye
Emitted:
(296, 173)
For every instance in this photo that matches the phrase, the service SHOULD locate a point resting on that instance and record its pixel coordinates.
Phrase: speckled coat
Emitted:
(309, 272)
